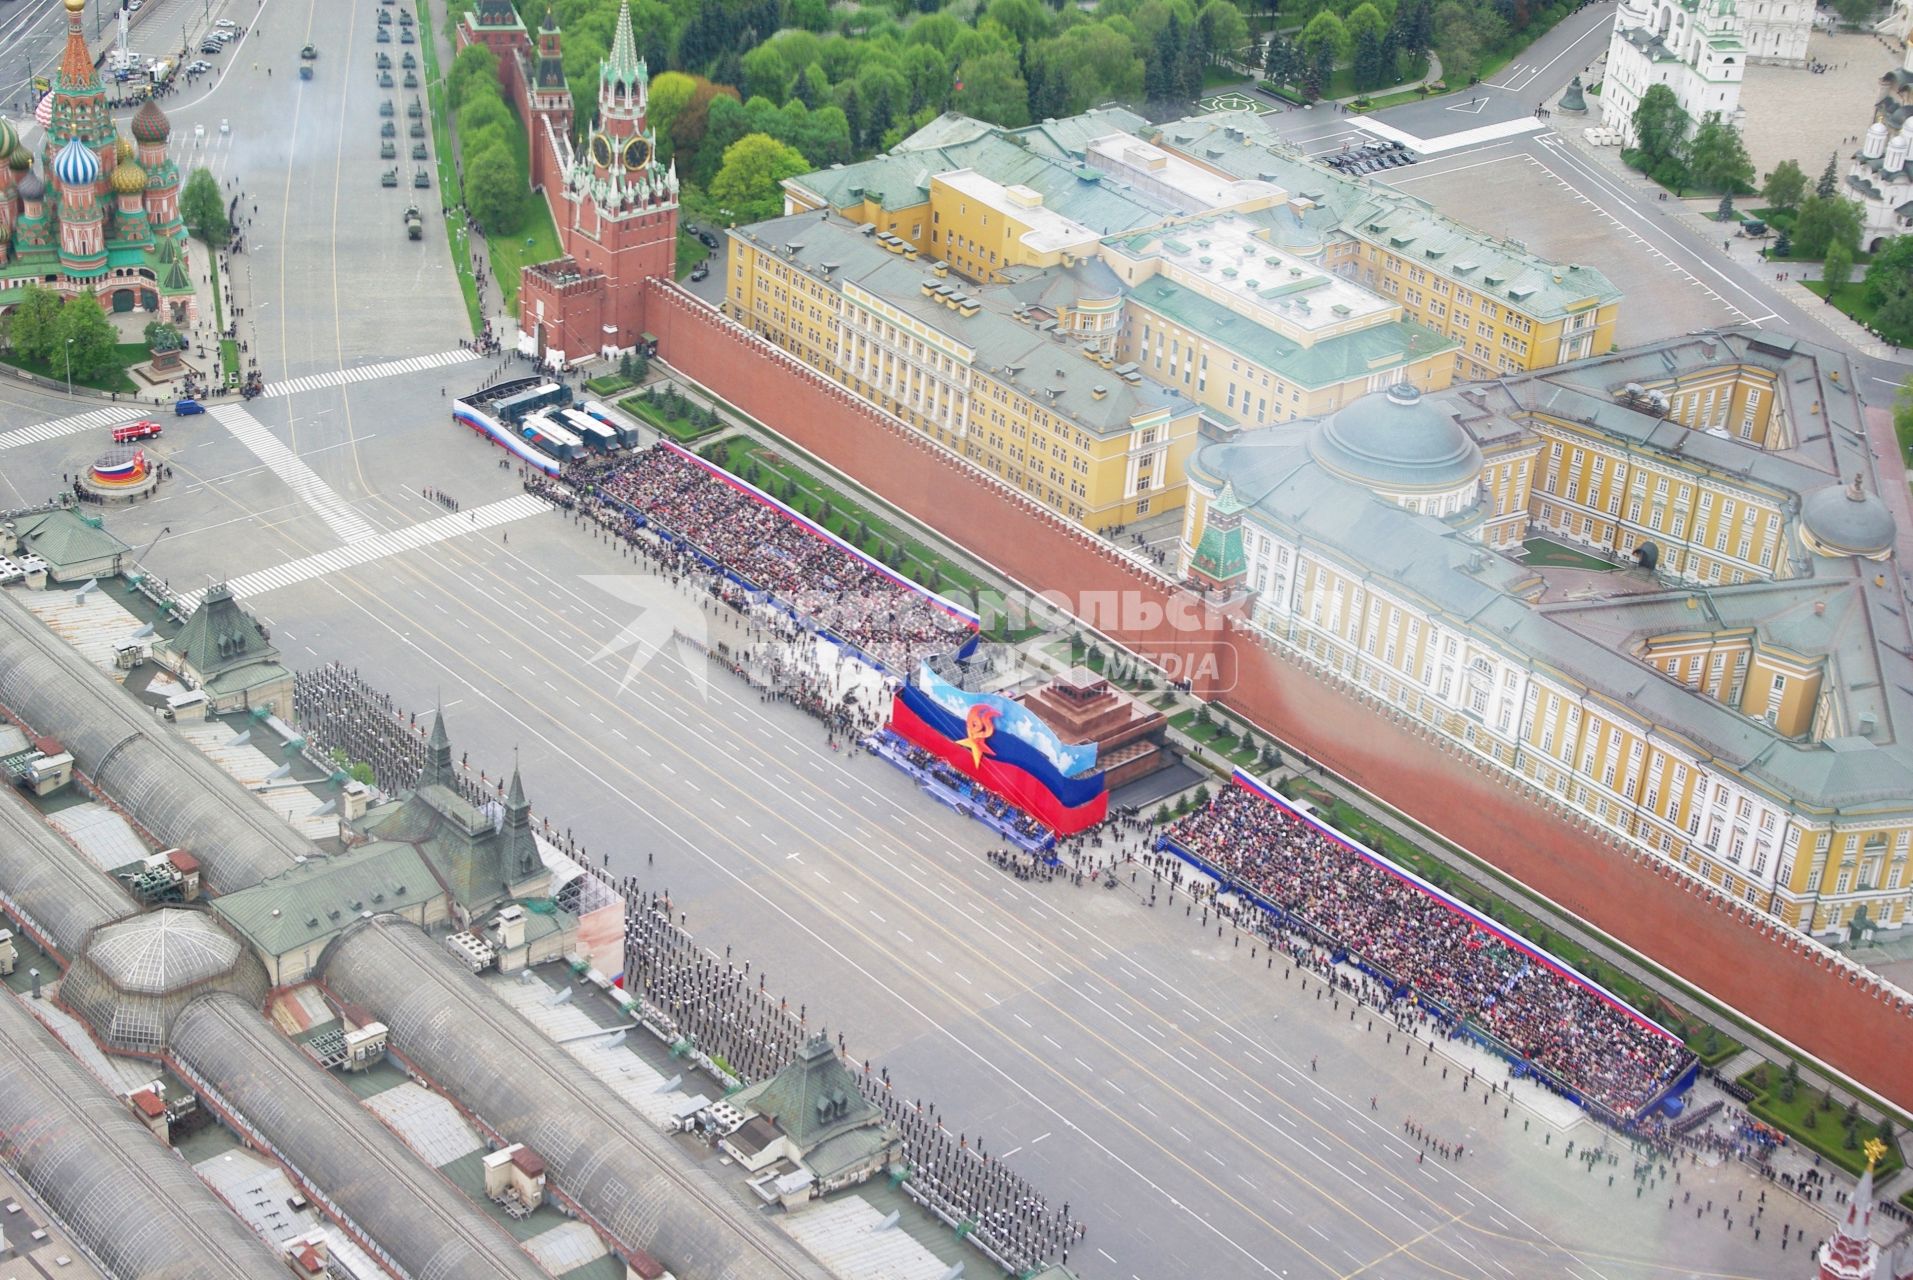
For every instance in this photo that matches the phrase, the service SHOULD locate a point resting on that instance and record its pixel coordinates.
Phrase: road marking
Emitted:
(367, 372)
(344, 522)
(377, 547)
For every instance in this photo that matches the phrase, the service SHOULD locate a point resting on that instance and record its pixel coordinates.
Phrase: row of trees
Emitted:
(1381, 48)
(491, 141)
(47, 332)
(1827, 226)
(1671, 149)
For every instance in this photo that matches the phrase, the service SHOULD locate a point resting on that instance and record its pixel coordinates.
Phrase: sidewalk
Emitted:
(1696, 215)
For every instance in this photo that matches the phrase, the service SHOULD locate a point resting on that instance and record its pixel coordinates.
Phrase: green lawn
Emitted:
(1828, 1134)
(535, 241)
(1850, 298)
(691, 251)
(450, 193)
(849, 519)
(114, 379)
(229, 359)
(1341, 82)
(678, 427)
(1388, 100)
(219, 307)
(609, 384)
(1185, 722)
(1542, 551)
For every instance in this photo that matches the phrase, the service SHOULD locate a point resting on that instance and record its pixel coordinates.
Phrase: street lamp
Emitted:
(69, 366)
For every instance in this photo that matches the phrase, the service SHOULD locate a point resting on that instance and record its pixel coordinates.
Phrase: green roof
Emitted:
(317, 899)
(221, 638)
(62, 538)
(458, 841)
(1328, 363)
(814, 1100)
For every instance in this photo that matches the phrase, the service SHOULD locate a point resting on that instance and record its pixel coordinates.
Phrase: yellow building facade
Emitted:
(1036, 403)
(1751, 730)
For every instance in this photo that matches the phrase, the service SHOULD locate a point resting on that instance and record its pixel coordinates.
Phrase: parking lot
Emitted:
(1554, 204)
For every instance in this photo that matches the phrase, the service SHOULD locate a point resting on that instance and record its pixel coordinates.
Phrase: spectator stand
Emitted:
(946, 786)
(1403, 986)
(968, 620)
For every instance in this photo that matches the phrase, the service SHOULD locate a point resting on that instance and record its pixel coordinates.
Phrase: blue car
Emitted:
(187, 408)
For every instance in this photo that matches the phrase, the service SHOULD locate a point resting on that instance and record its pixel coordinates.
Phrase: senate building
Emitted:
(1650, 588)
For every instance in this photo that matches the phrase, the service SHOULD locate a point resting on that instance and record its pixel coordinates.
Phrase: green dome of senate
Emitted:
(1397, 441)
(1845, 520)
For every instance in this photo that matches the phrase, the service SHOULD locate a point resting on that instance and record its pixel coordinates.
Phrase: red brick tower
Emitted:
(617, 217)
(1851, 1254)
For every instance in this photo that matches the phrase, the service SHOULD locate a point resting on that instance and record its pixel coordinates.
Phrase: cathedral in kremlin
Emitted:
(614, 203)
(93, 212)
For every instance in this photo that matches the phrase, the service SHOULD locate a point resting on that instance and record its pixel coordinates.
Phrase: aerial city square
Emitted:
(1118, 640)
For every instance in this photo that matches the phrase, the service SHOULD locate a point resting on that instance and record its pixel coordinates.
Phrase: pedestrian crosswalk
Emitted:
(290, 467)
(380, 545)
(367, 372)
(131, 411)
(68, 426)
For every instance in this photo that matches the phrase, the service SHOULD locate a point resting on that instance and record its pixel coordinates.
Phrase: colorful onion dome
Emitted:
(150, 123)
(44, 112)
(9, 136)
(128, 179)
(123, 149)
(76, 165)
(20, 158)
(30, 187)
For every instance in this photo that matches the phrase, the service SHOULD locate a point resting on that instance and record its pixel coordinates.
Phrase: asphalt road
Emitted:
(1122, 1057)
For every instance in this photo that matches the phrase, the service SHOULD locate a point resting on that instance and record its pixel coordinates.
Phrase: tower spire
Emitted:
(437, 769)
(623, 67)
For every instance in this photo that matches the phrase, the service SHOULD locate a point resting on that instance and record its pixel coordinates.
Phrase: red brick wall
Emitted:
(1749, 962)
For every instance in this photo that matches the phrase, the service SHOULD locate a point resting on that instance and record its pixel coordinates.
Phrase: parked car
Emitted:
(699, 272)
(226, 24)
(210, 47)
(187, 408)
(144, 429)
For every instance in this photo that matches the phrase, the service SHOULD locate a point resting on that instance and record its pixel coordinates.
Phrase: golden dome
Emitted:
(74, 6)
(124, 150)
(129, 179)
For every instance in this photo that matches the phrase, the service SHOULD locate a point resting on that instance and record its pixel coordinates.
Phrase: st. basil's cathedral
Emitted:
(100, 214)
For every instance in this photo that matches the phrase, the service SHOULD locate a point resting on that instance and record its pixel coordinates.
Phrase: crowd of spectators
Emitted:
(1438, 955)
(816, 577)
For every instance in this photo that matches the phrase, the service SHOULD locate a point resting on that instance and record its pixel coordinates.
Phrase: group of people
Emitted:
(763, 545)
(1436, 954)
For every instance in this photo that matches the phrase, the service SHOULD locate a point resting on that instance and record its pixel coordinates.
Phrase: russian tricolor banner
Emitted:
(1001, 762)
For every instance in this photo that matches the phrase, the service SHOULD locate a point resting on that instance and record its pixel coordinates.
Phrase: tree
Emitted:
(1717, 158)
(1280, 61)
(1786, 186)
(1724, 211)
(203, 208)
(1783, 243)
(1893, 314)
(1903, 417)
(669, 92)
(990, 87)
(1088, 64)
(161, 336)
(1824, 221)
(1892, 265)
(87, 336)
(1367, 35)
(1324, 42)
(1222, 28)
(35, 330)
(1837, 268)
(475, 66)
(1660, 128)
(747, 183)
(1856, 12)
(494, 188)
(1829, 178)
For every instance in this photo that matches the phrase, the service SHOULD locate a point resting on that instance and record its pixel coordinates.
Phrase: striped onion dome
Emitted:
(76, 165)
(9, 137)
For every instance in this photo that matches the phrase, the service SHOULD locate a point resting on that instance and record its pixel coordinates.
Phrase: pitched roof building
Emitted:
(224, 651)
(813, 1113)
(1648, 585)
